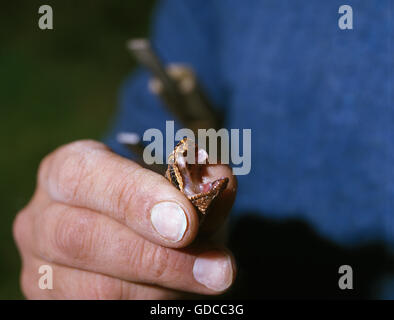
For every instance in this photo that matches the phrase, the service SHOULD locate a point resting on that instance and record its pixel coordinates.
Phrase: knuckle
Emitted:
(101, 287)
(159, 262)
(86, 143)
(73, 235)
(124, 194)
(153, 263)
(64, 182)
(19, 226)
(43, 169)
(65, 168)
(81, 146)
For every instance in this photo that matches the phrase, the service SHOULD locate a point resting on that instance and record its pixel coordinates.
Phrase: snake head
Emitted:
(186, 172)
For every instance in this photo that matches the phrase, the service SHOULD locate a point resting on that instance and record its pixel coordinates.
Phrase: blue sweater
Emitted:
(318, 100)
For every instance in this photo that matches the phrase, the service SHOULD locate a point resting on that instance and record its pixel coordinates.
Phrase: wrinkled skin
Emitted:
(94, 219)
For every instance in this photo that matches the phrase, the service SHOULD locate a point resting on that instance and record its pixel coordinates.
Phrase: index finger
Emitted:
(87, 174)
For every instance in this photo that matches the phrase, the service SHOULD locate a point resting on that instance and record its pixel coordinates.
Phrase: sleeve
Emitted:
(182, 31)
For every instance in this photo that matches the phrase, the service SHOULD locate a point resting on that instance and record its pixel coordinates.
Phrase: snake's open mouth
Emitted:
(186, 170)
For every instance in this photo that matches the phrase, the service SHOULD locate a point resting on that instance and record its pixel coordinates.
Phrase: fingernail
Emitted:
(214, 270)
(169, 220)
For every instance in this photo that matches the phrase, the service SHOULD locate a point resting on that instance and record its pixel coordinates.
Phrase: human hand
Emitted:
(111, 229)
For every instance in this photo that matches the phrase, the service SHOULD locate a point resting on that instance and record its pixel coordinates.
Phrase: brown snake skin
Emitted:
(188, 177)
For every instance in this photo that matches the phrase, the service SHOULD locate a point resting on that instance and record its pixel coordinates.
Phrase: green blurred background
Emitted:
(56, 86)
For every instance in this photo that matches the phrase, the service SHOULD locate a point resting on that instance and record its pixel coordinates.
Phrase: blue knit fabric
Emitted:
(318, 100)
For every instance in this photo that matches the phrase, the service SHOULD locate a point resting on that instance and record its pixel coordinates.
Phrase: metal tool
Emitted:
(177, 85)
